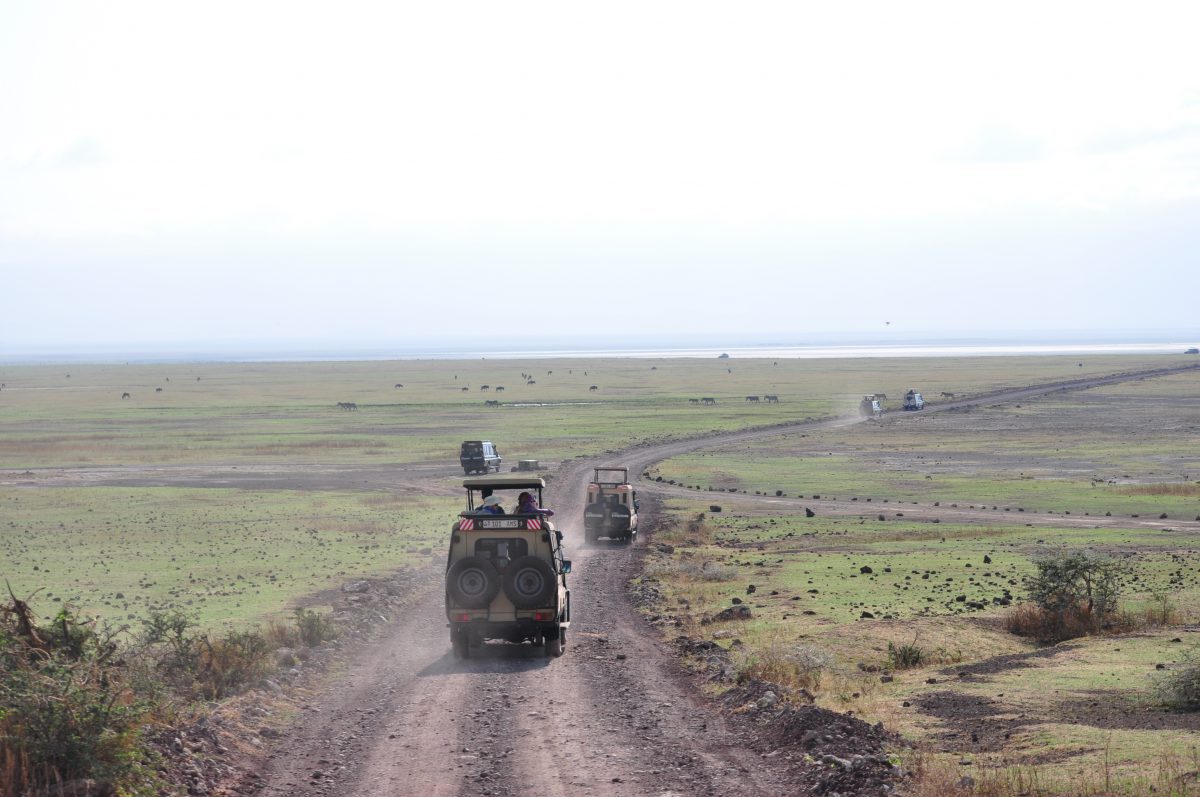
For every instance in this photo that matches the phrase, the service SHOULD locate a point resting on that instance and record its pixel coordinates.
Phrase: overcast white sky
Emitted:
(377, 173)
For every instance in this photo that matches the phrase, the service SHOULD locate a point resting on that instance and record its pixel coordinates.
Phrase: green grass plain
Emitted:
(239, 556)
(1090, 708)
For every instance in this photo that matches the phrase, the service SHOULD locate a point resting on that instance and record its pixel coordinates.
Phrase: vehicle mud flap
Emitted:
(471, 583)
(556, 643)
(530, 582)
(460, 642)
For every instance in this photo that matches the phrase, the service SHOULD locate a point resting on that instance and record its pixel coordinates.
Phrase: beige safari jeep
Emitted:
(506, 578)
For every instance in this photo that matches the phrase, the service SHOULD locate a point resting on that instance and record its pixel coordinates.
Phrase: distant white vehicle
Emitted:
(913, 401)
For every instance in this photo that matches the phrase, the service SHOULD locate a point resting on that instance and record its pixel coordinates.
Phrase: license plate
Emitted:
(500, 524)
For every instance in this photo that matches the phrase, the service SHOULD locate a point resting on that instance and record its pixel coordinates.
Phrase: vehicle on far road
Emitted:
(870, 407)
(506, 578)
(913, 401)
(1192, 350)
(478, 456)
(612, 505)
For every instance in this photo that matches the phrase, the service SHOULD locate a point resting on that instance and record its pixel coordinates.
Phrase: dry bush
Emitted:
(1047, 626)
(789, 665)
(281, 635)
(699, 569)
(1184, 490)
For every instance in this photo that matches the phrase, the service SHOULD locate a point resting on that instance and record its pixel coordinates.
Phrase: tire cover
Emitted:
(529, 582)
(471, 583)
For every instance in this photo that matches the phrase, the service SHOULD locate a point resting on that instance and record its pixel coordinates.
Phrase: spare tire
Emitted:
(529, 582)
(471, 583)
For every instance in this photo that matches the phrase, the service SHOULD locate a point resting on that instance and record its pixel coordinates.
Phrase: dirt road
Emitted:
(612, 716)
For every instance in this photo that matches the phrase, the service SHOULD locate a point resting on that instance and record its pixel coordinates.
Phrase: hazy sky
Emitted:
(409, 172)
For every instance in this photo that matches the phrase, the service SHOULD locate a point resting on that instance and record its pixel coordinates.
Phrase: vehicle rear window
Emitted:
(502, 548)
(471, 448)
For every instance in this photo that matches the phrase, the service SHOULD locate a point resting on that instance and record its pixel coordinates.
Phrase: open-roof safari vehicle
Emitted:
(506, 578)
(612, 505)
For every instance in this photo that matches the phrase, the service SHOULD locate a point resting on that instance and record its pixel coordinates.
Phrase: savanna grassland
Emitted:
(234, 492)
(892, 599)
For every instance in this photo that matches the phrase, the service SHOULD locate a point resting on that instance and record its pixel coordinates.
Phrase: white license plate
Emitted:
(499, 524)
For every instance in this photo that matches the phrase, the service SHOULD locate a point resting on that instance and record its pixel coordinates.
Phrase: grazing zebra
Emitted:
(772, 399)
(499, 388)
(491, 403)
(348, 406)
(398, 386)
(485, 387)
(708, 400)
(693, 401)
(752, 398)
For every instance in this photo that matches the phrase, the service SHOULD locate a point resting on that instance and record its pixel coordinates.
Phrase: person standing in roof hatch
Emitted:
(526, 505)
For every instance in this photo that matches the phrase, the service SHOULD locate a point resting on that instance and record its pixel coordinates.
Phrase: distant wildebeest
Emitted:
(693, 401)
(485, 387)
(752, 398)
(465, 389)
(594, 388)
(168, 379)
(398, 386)
(549, 373)
(491, 403)
(531, 382)
(499, 388)
(772, 399)
(348, 406)
(124, 395)
(947, 395)
(158, 390)
(708, 400)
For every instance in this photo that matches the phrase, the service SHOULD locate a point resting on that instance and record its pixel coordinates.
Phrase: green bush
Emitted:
(1179, 688)
(1073, 594)
(314, 628)
(905, 656)
(66, 711)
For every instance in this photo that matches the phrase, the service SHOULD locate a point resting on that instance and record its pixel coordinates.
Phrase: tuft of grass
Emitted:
(905, 656)
(790, 665)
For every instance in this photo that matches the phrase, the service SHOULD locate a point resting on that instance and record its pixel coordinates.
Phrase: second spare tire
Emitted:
(529, 582)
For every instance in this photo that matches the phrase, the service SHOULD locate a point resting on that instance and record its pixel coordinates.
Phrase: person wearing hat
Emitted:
(491, 506)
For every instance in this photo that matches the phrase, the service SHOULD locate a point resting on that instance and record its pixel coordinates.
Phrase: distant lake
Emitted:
(282, 353)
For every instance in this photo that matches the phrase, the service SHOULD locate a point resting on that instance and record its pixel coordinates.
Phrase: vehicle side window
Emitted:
(502, 548)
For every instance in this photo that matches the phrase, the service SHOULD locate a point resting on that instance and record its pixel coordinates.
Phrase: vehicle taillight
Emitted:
(462, 618)
(543, 616)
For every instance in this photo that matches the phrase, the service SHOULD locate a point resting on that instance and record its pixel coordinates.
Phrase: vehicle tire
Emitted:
(460, 642)
(530, 582)
(471, 583)
(556, 643)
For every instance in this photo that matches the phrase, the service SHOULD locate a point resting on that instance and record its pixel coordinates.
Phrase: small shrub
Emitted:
(66, 711)
(793, 666)
(905, 656)
(1180, 687)
(227, 664)
(281, 635)
(313, 628)
(1074, 594)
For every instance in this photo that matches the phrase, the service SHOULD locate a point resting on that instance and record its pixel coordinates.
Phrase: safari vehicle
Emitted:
(913, 401)
(612, 505)
(870, 407)
(479, 456)
(506, 578)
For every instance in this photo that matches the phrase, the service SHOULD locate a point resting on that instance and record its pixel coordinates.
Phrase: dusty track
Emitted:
(612, 716)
